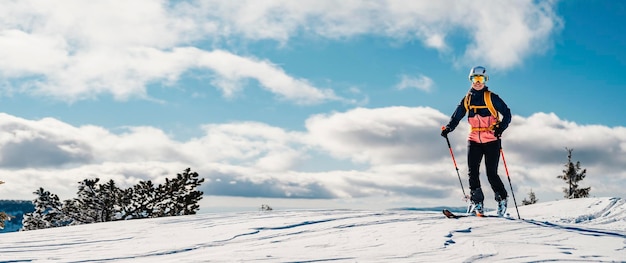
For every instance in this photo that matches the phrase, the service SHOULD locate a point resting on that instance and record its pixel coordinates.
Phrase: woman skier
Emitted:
(483, 109)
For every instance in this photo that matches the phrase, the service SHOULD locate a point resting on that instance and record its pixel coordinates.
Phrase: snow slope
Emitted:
(590, 229)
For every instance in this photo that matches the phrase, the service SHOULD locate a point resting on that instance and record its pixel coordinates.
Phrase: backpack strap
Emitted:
(488, 105)
(466, 101)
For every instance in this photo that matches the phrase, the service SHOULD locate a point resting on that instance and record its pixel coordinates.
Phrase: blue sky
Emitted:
(320, 103)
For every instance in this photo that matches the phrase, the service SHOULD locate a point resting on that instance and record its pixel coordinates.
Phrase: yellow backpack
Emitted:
(488, 105)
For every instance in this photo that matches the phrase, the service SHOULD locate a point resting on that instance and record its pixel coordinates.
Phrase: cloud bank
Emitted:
(392, 151)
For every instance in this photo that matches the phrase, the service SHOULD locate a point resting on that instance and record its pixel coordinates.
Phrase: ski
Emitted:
(451, 215)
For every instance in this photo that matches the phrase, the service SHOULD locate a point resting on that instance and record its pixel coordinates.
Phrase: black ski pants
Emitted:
(491, 152)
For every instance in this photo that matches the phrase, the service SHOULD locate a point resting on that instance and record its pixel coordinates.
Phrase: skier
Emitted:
(482, 108)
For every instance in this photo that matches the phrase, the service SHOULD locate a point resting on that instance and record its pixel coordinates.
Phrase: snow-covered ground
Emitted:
(592, 229)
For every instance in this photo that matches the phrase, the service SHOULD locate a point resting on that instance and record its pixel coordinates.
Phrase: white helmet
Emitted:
(478, 70)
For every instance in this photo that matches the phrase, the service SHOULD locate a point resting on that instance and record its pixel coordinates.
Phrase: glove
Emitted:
(445, 130)
(498, 131)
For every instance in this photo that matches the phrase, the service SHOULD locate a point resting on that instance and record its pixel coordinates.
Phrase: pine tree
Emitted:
(98, 202)
(139, 201)
(572, 175)
(179, 195)
(88, 202)
(48, 212)
(109, 201)
(71, 211)
(532, 198)
(106, 202)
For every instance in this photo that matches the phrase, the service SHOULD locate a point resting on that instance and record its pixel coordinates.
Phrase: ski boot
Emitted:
(502, 205)
(476, 209)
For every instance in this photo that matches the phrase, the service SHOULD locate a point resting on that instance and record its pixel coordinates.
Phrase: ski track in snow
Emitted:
(339, 236)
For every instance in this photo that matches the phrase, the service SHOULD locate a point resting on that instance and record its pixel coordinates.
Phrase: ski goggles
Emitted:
(478, 78)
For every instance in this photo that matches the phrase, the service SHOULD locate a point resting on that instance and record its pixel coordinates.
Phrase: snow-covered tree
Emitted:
(106, 202)
(109, 201)
(48, 212)
(88, 202)
(139, 201)
(71, 211)
(179, 195)
(97, 202)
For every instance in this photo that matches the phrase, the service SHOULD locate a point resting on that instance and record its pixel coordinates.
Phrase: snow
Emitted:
(590, 229)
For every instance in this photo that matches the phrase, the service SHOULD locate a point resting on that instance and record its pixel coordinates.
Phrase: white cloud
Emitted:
(231, 69)
(379, 136)
(420, 82)
(249, 143)
(85, 49)
(503, 35)
(497, 33)
(24, 54)
(75, 50)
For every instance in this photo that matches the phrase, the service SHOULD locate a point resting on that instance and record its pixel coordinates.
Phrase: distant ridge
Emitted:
(17, 209)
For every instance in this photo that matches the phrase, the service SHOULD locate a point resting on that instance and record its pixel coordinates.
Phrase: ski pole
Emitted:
(455, 166)
(508, 177)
